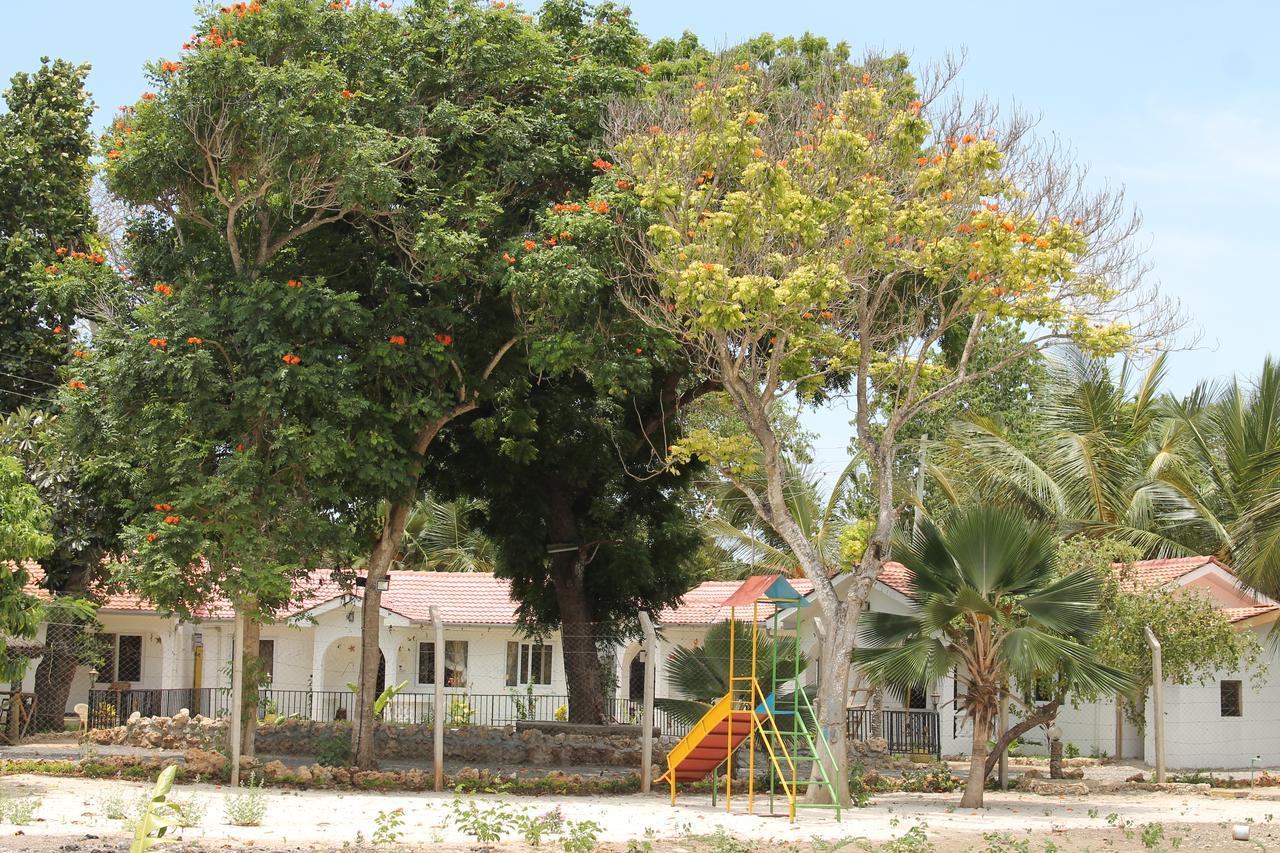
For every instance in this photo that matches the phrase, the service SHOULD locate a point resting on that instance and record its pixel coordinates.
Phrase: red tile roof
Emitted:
(704, 604)
(1239, 614)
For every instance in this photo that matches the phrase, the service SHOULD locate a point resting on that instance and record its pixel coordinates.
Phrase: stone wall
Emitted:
(551, 745)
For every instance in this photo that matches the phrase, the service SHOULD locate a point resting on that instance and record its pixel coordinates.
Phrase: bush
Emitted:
(249, 808)
(933, 780)
(333, 751)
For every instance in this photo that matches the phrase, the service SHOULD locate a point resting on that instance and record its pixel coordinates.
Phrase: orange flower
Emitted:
(293, 282)
(1024, 237)
(997, 291)
(550, 241)
(151, 537)
(51, 269)
(947, 195)
(826, 315)
(753, 119)
(159, 343)
(347, 93)
(384, 5)
(196, 341)
(655, 130)
(757, 152)
(529, 245)
(623, 185)
(61, 251)
(808, 315)
(644, 68)
(709, 267)
(506, 256)
(163, 507)
(968, 138)
(446, 340)
(639, 350)
(57, 330)
(974, 275)
(982, 226)
(113, 155)
(171, 519)
(397, 340)
(565, 235)
(922, 161)
(914, 106)
(148, 96)
(742, 66)
(602, 164)
(290, 358)
(600, 206)
(700, 85)
(170, 67)
(1007, 224)
(866, 79)
(76, 385)
(163, 289)
(79, 354)
(1042, 242)
(964, 227)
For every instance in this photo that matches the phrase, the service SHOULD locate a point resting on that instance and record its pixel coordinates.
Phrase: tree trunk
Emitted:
(57, 668)
(577, 623)
(1055, 758)
(252, 681)
(977, 781)
(370, 628)
(1044, 714)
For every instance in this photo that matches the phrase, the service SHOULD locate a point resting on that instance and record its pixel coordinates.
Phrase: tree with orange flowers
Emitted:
(382, 162)
(855, 237)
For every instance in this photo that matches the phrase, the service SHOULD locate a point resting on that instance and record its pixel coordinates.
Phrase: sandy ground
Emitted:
(69, 818)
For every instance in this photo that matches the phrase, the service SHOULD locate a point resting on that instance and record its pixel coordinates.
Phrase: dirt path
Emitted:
(70, 817)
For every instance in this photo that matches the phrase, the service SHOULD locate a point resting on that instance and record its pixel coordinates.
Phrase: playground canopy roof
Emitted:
(770, 589)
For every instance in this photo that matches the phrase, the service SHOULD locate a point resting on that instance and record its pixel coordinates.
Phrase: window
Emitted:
(917, 699)
(455, 663)
(1231, 699)
(267, 659)
(528, 663)
(121, 658)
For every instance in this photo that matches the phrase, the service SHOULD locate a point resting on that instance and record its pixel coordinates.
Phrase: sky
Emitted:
(1177, 102)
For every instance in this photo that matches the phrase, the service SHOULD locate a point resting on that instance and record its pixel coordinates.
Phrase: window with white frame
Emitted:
(455, 663)
(528, 663)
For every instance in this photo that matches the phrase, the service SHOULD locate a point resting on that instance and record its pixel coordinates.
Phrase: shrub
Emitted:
(249, 808)
(333, 751)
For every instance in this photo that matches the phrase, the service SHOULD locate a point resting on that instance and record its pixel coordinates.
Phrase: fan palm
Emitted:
(1108, 459)
(701, 674)
(993, 608)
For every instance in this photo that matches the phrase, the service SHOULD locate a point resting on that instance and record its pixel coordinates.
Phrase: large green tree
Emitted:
(828, 238)
(384, 158)
(45, 218)
(24, 535)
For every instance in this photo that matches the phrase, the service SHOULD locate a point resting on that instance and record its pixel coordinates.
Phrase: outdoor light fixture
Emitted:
(384, 583)
(197, 640)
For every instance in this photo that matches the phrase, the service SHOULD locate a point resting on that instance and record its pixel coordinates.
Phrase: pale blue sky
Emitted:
(1177, 101)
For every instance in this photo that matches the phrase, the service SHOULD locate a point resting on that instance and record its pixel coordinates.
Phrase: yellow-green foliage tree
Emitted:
(854, 236)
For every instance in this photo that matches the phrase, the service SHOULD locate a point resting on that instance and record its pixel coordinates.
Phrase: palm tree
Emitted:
(1108, 459)
(747, 547)
(993, 608)
(701, 674)
(1234, 435)
(444, 536)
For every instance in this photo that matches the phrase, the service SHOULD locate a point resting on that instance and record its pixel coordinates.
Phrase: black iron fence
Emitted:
(907, 732)
(114, 707)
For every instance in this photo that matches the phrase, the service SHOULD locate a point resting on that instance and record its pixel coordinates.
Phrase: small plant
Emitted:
(158, 816)
(386, 827)
(460, 712)
(333, 751)
(562, 714)
(1003, 842)
(1093, 813)
(525, 705)
(580, 836)
(191, 811)
(1070, 750)
(1151, 835)
(487, 825)
(534, 829)
(105, 716)
(249, 808)
(116, 806)
(20, 811)
(722, 842)
(915, 840)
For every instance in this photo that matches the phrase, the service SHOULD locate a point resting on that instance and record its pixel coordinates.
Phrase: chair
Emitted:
(82, 711)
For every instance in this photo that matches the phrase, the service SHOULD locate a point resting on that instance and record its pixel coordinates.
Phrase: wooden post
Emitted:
(1004, 753)
(437, 725)
(1119, 726)
(1157, 695)
(237, 695)
(197, 672)
(646, 716)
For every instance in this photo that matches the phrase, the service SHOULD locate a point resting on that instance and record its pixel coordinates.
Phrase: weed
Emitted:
(1003, 842)
(249, 808)
(580, 836)
(1152, 834)
(19, 811)
(386, 827)
(487, 825)
(915, 840)
(1093, 813)
(333, 751)
(116, 806)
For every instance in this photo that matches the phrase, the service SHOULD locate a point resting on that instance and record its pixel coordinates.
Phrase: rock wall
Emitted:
(537, 746)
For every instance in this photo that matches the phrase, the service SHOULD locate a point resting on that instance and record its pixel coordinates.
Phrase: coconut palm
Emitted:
(701, 674)
(993, 608)
(1108, 459)
(1234, 435)
(444, 536)
(747, 547)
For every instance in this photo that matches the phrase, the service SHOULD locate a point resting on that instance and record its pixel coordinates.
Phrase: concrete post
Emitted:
(437, 722)
(237, 696)
(1157, 695)
(646, 717)
(1004, 753)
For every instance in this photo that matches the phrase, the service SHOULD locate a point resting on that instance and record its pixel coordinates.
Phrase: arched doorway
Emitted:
(341, 666)
(635, 678)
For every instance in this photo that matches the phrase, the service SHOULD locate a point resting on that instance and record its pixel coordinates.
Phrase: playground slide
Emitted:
(705, 746)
